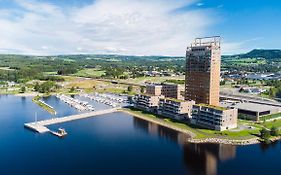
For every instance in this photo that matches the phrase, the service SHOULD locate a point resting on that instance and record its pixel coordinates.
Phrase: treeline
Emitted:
(275, 90)
(24, 75)
(46, 87)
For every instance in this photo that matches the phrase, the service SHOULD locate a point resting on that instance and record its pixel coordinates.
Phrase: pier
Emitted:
(40, 126)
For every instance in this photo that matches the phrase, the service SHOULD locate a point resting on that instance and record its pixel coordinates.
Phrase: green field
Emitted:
(271, 116)
(90, 73)
(246, 61)
(154, 79)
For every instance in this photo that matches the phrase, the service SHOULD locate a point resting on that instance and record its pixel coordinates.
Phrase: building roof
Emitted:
(154, 85)
(254, 107)
(175, 100)
(211, 106)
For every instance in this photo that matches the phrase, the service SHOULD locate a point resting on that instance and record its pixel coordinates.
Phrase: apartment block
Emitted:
(167, 90)
(213, 117)
(174, 108)
(153, 89)
(147, 102)
(202, 78)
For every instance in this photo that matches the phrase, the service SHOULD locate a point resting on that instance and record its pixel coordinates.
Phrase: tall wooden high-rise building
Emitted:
(202, 78)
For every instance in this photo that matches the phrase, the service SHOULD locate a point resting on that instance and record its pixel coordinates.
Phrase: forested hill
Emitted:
(262, 53)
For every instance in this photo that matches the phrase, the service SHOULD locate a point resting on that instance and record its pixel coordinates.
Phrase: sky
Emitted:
(136, 27)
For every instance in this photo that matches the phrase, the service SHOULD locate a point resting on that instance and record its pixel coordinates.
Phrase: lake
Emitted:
(116, 144)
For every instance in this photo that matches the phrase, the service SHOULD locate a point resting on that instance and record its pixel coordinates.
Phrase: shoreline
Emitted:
(237, 142)
(43, 105)
(30, 94)
(162, 123)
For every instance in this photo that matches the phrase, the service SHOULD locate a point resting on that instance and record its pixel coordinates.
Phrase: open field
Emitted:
(6, 68)
(90, 72)
(246, 61)
(92, 85)
(142, 80)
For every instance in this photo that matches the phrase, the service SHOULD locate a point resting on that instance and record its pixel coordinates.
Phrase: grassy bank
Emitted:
(42, 105)
(198, 133)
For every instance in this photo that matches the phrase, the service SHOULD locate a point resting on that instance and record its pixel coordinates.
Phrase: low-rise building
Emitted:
(172, 91)
(168, 90)
(153, 89)
(174, 108)
(213, 117)
(254, 111)
(147, 102)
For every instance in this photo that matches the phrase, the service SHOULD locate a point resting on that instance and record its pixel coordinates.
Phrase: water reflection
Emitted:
(163, 132)
(198, 158)
(264, 147)
(203, 158)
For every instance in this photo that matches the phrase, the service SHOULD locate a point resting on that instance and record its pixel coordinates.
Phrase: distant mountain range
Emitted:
(262, 53)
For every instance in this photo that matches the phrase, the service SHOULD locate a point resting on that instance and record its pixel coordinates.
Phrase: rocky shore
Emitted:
(225, 141)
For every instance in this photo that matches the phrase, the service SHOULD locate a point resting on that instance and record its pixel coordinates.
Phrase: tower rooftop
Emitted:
(207, 41)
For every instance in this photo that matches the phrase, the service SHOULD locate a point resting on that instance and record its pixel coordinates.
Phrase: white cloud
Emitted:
(107, 26)
(244, 46)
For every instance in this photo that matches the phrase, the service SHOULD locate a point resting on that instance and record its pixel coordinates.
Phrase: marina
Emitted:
(78, 104)
(41, 101)
(108, 99)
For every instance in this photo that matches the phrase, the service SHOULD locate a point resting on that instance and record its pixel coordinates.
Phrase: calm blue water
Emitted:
(116, 144)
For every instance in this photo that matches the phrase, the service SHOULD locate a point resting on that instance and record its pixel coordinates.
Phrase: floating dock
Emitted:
(40, 126)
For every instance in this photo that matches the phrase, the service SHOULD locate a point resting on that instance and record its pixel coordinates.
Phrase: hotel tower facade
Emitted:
(202, 78)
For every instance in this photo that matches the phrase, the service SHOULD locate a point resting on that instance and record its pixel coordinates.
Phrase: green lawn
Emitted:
(271, 116)
(276, 123)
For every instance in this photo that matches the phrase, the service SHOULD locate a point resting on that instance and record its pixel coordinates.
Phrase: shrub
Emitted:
(274, 131)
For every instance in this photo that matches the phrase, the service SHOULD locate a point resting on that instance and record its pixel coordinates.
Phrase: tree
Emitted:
(265, 134)
(72, 89)
(22, 89)
(130, 88)
(36, 86)
(274, 131)
(142, 89)
(222, 82)
(46, 86)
